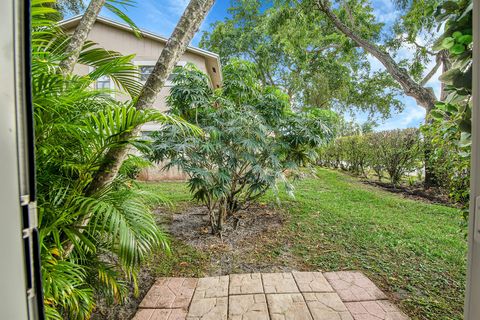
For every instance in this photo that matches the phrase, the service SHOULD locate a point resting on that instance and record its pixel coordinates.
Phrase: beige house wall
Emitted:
(145, 50)
(113, 36)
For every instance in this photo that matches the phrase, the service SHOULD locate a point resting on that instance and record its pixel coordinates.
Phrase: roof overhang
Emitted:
(73, 22)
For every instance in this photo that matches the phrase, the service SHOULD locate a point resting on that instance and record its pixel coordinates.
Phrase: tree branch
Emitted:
(424, 48)
(424, 96)
(438, 63)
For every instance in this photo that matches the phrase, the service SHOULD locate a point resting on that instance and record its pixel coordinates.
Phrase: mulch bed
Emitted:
(416, 192)
(245, 242)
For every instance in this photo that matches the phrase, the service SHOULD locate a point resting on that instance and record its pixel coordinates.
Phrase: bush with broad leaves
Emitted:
(251, 139)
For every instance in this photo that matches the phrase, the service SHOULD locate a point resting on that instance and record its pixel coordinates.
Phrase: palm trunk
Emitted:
(186, 28)
(182, 35)
(424, 96)
(80, 35)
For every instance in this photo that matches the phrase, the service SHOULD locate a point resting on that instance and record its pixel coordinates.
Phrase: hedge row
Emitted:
(393, 153)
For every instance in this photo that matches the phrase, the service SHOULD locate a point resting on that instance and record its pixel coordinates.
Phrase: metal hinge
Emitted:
(30, 223)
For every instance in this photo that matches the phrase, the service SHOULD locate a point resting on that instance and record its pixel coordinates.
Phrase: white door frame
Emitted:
(20, 277)
(472, 294)
(13, 297)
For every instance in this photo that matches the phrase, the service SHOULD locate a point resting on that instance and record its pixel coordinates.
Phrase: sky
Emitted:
(161, 16)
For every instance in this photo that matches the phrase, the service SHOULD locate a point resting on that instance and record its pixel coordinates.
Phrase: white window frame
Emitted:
(112, 83)
(149, 63)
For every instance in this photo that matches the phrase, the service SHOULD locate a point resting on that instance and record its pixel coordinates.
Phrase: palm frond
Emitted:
(113, 6)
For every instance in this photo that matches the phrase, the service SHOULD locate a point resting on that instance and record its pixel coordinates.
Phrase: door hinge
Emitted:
(32, 257)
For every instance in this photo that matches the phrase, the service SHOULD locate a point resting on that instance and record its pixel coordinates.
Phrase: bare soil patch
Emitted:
(250, 240)
(107, 311)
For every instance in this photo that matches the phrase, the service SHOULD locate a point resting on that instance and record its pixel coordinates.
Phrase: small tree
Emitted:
(375, 160)
(251, 139)
(397, 152)
(400, 151)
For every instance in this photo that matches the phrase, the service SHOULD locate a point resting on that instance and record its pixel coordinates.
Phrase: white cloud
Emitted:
(375, 64)
(385, 11)
(412, 116)
(385, 17)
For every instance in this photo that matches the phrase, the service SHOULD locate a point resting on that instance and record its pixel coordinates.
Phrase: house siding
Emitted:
(146, 49)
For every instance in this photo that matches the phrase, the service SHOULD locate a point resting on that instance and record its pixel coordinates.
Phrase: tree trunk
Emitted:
(424, 96)
(446, 65)
(182, 35)
(222, 210)
(186, 28)
(80, 35)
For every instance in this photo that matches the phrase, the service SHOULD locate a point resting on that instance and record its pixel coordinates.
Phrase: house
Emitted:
(119, 37)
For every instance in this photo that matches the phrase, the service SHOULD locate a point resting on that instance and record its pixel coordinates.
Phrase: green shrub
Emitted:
(251, 139)
(395, 152)
(449, 126)
(450, 156)
(399, 152)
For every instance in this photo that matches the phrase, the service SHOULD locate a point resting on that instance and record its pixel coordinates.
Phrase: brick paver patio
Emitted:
(262, 296)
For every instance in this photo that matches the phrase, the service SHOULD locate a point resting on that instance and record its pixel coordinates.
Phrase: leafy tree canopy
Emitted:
(297, 49)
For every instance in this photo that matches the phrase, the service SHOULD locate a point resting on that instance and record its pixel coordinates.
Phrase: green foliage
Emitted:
(354, 153)
(250, 138)
(457, 39)
(295, 48)
(450, 158)
(449, 127)
(91, 243)
(70, 6)
(400, 152)
(396, 152)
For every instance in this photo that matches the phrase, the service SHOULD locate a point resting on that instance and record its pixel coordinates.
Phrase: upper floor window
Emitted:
(146, 68)
(103, 82)
(145, 72)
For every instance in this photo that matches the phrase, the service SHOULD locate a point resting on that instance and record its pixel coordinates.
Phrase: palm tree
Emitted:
(75, 125)
(176, 45)
(80, 35)
(93, 235)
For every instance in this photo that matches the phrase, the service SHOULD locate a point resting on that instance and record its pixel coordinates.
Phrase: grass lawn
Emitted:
(413, 250)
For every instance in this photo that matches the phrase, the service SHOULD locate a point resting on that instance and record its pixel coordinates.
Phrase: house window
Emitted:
(103, 82)
(170, 79)
(145, 72)
(146, 68)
